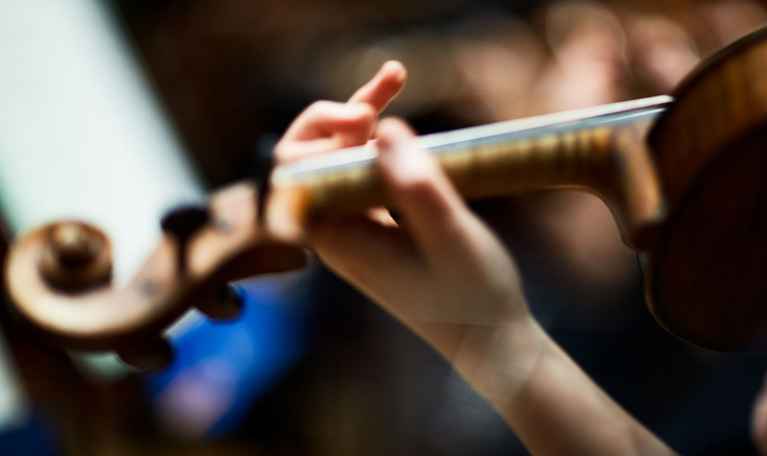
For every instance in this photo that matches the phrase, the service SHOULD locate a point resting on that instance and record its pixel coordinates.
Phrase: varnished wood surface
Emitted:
(593, 149)
(707, 277)
(706, 274)
(105, 317)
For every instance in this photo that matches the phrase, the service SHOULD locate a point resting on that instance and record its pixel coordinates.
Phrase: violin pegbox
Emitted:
(59, 277)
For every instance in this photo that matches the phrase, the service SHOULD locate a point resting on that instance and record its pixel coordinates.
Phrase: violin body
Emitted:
(684, 176)
(706, 269)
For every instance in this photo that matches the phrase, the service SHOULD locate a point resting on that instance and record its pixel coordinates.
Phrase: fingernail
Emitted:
(394, 65)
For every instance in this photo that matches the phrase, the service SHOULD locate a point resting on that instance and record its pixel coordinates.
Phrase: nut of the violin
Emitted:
(151, 356)
(227, 304)
(77, 256)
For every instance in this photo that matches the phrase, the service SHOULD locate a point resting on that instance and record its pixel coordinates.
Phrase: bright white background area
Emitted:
(80, 137)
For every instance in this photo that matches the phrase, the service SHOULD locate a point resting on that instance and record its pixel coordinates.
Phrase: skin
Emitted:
(446, 276)
(759, 419)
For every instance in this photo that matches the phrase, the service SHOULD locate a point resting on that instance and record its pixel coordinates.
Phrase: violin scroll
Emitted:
(58, 277)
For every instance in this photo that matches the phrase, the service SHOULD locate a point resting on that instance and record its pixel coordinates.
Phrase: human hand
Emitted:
(327, 125)
(441, 271)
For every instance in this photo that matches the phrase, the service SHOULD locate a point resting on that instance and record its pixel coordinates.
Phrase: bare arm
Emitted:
(446, 276)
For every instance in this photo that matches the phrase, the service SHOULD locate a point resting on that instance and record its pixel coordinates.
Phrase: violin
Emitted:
(683, 175)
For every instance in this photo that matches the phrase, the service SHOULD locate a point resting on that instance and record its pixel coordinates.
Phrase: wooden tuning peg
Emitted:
(181, 224)
(227, 304)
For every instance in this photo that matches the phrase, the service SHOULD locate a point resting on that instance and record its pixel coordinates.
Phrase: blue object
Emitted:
(32, 438)
(222, 369)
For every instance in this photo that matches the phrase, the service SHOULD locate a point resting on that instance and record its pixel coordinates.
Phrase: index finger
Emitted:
(384, 86)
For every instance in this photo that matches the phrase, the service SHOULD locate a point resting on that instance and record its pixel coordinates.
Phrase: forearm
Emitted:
(552, 405)
(444, 274)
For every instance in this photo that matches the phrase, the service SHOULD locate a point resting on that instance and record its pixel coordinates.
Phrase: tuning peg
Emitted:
(181, 224)
(227, 305)
(263, 164)
(148, 356)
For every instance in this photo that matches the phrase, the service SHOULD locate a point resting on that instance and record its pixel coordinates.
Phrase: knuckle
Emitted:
(367, 111)
(322, 106)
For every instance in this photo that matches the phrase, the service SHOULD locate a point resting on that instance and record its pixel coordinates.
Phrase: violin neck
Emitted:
(573, 149)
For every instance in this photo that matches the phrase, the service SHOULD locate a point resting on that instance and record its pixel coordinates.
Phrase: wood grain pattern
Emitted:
(582, 152)
(706, 273)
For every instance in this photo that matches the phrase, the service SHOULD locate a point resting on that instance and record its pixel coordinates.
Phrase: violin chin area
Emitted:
(707, 277)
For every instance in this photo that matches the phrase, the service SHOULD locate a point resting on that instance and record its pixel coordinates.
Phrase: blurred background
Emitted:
(311, 367)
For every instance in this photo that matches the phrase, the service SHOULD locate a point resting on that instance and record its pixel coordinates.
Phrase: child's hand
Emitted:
(328, 125)
(444, 274)
(441, 271)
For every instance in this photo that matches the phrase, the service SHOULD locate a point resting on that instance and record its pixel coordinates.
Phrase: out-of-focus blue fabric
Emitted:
(221, 369)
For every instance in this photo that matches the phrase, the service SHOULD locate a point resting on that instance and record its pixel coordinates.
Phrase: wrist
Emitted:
(497, 360)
